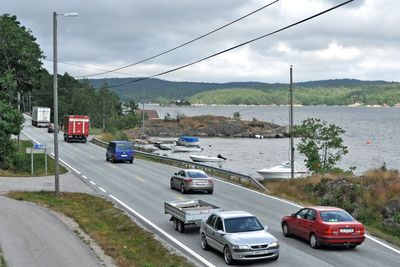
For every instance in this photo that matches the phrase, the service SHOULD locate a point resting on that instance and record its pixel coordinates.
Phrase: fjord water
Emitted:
(371, 135)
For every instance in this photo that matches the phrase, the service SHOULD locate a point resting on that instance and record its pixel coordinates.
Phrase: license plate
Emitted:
(347, 230)
(124, 155)
(259, 252)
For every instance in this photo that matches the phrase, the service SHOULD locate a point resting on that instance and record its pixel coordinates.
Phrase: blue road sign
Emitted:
(39, 146)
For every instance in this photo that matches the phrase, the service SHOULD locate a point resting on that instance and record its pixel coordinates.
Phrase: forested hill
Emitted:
(162, 91)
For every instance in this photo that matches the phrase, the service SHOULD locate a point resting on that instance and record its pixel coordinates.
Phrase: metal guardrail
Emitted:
(231, 175)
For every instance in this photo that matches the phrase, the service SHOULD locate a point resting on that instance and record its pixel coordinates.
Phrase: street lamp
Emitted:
(55, 90)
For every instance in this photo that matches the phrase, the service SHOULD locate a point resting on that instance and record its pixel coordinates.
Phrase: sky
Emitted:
(356, 41)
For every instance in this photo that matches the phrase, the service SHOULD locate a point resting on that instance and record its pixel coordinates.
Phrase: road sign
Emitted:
(39, 146)
(30, 150)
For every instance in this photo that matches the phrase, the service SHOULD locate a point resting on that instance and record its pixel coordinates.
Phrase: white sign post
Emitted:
(37, 149)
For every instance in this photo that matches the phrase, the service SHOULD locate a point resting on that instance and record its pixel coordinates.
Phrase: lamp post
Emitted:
(55, 91)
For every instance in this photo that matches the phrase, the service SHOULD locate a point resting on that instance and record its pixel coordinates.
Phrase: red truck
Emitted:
(76, 128)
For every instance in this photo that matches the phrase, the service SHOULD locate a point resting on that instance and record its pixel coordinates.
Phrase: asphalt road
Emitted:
(142, 188)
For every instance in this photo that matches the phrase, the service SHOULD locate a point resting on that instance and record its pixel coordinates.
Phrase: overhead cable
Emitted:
(233, 47)
(179, 46)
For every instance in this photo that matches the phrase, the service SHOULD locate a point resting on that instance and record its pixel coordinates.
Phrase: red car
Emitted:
(324, 226)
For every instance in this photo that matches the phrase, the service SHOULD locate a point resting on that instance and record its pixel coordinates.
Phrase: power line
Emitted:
(179, 46)
(233, 47)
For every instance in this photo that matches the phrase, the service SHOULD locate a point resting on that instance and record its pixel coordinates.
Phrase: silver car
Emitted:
(239, 236)
(192, 180)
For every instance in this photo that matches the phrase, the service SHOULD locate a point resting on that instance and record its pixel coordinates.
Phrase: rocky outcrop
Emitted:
(211, 126)
(391, 215)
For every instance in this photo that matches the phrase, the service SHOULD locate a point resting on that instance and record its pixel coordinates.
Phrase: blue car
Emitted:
(120, 151)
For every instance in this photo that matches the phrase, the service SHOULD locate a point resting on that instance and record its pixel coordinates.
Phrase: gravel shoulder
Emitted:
(31, 235)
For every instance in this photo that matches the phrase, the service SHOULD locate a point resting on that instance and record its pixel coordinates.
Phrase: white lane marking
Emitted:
(383, 244)
(102, 189)
(69, 166)
(197, 256)
(93, 183)
(30, 137)
(299, 206)
(265, 195)
(84, 177)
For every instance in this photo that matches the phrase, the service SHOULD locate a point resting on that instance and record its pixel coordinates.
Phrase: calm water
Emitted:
(381, 126)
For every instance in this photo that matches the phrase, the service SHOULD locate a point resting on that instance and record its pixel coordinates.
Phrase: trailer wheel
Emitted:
(181, 226)
(176, 222)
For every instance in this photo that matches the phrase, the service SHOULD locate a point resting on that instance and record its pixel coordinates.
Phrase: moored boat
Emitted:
(201, 158)
(282, 171)
(188, 141)
(185, 149)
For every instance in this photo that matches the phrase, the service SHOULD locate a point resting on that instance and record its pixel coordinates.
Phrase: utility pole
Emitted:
(19, 109)
(291, 124)
(143, 112)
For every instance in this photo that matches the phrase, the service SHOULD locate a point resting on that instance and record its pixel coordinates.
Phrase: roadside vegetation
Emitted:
(126, 242)
(20, 164)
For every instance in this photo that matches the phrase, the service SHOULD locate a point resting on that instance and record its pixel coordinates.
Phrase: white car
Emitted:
(239, 236)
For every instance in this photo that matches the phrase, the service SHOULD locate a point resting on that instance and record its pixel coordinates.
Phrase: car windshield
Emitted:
(336, 216)
(193, 174)
(242, 224)
(124, 147)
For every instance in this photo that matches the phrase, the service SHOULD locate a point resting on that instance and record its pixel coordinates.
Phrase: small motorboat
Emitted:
(188, 141)
(162, 146)
(282, 171)
(186, 149)
(200, 158)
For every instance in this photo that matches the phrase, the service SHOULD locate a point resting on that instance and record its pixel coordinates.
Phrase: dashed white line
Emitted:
(84, 177)
(197, 256)
(102, 189)
(93, 183)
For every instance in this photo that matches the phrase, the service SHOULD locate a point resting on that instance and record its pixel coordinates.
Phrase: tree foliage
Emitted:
(321, 144)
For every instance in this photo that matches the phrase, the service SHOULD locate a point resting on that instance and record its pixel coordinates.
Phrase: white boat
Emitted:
(185, 149)
(282, 171)
(200, 158)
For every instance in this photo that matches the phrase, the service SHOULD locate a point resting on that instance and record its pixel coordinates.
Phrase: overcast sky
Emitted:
(360, 40)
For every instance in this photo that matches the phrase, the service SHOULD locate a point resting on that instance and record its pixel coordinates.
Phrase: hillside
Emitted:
(325, 92)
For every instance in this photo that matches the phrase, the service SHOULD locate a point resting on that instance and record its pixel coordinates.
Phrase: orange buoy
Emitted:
(368, 142)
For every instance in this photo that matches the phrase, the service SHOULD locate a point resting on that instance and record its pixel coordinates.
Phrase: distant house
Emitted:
(151, 114)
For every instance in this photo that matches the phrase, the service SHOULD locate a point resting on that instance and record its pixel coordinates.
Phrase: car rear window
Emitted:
(336, 216)
(124, 147)
(242, 224)
(193, 174)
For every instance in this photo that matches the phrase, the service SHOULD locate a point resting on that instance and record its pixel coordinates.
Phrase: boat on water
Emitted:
(201, 158)
(283, 171)
(186, 149)
(163, 146)
(188, 141)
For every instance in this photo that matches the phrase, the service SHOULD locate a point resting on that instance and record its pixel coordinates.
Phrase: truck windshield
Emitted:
(124, 147)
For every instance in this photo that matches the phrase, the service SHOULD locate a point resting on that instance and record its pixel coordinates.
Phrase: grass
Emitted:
(22, 163)
(2, 261)
(127, 243)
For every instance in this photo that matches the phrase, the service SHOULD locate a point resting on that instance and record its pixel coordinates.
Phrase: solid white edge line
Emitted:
(69, 166)
(197, 256)
(93, 183)
(30, 137)
(102, 189)
(299, 206)
(382, 244)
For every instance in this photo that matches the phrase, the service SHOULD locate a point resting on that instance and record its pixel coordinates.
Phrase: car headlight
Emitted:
(239, 248)
(273, 245)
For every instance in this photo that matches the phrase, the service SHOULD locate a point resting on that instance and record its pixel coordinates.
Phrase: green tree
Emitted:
(321, 144)
(20, 59)
(237, 116)
(10, 123)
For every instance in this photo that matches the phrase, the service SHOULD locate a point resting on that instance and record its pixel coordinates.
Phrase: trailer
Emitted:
(40, 116)
(76, 128)
(188, 212)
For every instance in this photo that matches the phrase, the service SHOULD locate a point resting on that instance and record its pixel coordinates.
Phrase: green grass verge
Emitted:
(2, 261)
(127, 243)
(22, 163)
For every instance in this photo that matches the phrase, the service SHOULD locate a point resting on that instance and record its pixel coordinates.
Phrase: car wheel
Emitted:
(131, 161)
(275, 258)
(285, 230)
(176, 224)
(112, 159)
(210, 191)
(227, 255)
(352, 246)
(107, 159)
(204, 244)
(183, 191)
(314, 241)
(171, 184)
(181, 226)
